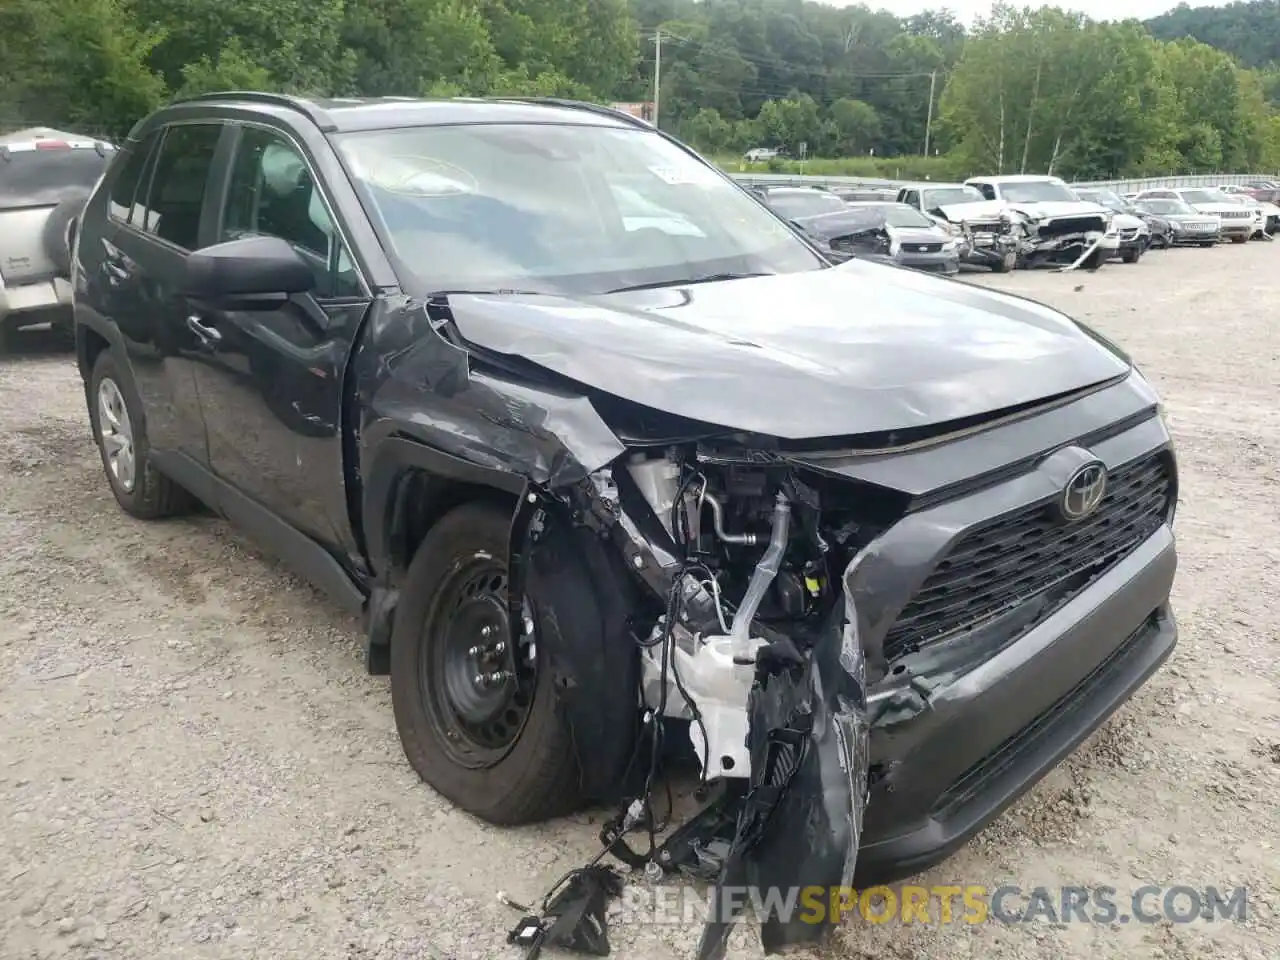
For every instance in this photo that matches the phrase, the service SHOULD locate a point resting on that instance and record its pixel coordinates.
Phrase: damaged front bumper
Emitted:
(950, 752)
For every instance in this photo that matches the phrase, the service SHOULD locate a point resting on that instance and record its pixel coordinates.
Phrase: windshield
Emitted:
(560, 208)
(1104, 197)
(37, 178)
(901, 215)
(1165, 206)
(1204, 196)
(1036, 191)
(808, 203)
(950, 196)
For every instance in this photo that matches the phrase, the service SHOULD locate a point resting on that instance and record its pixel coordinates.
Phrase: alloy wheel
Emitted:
(115, 435)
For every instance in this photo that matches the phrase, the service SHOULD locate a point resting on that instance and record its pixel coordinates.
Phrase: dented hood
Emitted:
(1053, 209)
(859, 348)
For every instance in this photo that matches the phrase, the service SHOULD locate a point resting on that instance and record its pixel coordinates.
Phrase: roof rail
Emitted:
(317, 115)
(585, 105)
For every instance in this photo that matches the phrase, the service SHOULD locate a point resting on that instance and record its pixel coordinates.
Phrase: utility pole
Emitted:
(657, 72)
(928, 123)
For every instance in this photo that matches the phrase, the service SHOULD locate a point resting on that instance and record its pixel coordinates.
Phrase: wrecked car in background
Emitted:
(986, 228)
(1186, 226)
(1057, 227)
(880, 547)
(901, 233)
(1134, 230)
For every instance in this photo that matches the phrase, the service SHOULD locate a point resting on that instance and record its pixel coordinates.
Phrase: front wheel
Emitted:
(1239, 239)
(479, 716)
(1132, 255)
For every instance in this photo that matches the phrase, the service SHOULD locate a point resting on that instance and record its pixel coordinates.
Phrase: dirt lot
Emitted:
(193, 763)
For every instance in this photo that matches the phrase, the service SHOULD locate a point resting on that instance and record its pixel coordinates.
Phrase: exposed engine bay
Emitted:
(752, 646)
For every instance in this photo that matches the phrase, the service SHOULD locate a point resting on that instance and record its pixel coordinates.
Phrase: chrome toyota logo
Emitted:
(1084, 491)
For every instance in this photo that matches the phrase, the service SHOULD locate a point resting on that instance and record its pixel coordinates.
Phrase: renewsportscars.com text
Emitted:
(941, 904)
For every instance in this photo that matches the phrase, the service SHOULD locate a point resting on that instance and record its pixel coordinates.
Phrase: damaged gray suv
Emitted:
(614, 461)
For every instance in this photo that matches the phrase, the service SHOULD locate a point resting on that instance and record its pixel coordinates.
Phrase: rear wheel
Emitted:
(120, 432)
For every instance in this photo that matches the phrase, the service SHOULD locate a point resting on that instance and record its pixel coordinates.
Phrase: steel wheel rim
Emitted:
(467, 632)
(115, 436)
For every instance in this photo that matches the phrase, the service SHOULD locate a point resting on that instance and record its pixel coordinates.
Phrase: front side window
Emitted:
(177, 188)
(273, 193)
(559, 208)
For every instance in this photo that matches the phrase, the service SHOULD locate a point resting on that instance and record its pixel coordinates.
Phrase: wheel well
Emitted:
(419, 500)
(89, 343)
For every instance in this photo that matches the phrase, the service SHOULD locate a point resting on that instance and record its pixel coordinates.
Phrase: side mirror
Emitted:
(265, 267)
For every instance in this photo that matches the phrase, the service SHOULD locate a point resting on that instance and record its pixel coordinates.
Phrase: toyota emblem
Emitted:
(1084, 491)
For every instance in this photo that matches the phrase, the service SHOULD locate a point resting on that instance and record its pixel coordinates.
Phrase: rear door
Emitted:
(144, 253)
(271, 378)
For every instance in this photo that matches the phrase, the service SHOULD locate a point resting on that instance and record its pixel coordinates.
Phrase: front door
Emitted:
(271, 379)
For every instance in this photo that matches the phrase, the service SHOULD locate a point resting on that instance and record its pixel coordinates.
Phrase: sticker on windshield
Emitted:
(679, 176)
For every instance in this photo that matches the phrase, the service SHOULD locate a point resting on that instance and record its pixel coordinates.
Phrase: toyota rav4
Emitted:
(866, 541)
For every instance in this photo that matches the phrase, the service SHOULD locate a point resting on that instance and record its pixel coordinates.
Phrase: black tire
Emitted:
(57, 231)
(152, 495)
(1236, 238)
(1094, 261)
(1211, 244)
(1007, 263)
(1132, 255)
(531, 772)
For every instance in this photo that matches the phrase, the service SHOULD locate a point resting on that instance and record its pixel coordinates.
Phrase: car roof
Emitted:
(1017, 178)
(349, 114)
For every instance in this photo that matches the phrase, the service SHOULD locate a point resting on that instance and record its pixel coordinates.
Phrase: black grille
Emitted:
(1007, 561)
(922, 247)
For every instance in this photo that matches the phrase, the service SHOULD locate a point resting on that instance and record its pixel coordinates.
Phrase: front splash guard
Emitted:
(808, 736)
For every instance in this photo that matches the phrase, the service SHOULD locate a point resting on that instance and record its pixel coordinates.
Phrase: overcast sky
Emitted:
(967, 10)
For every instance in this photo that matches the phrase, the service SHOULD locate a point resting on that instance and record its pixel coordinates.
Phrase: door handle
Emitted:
(114, 270)
(207, 334)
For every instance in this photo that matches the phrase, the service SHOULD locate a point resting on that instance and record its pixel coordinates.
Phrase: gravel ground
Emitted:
(193, 763)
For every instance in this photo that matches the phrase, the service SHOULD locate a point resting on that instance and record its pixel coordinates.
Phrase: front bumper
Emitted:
(961, 726)
(947, 261)
(988, 248)
(993, 733)
(1237, 228)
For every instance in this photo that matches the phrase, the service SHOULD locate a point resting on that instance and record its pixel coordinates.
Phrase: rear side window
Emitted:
(46, 177)
(177, 189)
(125, 188)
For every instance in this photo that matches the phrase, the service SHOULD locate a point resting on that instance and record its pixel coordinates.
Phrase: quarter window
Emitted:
(178, 186)
(273, 193)
(137, 165)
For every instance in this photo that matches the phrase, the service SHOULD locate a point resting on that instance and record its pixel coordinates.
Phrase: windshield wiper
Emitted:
(708, 278)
